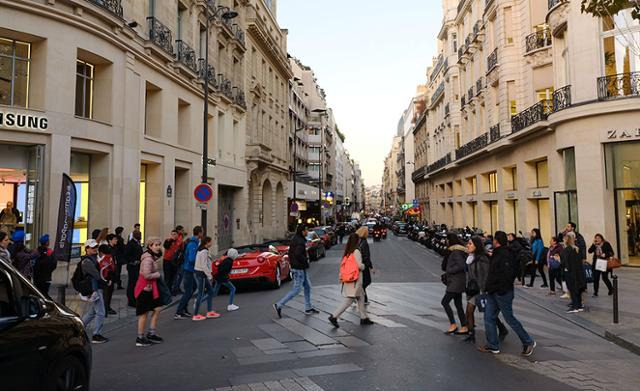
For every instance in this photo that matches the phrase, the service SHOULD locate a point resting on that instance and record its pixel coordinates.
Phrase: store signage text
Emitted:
(10, 119)
(622, 134)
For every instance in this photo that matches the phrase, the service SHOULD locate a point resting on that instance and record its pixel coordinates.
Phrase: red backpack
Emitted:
(349, 271)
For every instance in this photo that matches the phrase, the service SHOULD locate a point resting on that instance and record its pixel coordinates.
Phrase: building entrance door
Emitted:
(628, 225)
(225, 217)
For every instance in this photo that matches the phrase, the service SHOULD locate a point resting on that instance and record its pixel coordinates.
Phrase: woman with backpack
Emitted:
(539, 261)
(455, 279)
(351, 277)
(147, 293)
(477, 270)
(203, 276)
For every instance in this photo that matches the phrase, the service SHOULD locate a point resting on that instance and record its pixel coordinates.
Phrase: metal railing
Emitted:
(113, 6)
(487, 4)
(463, 102)
(562, 98)
(438, 93)
(620, 85)
(437, 68)
(239, 98)
(438, 164)
(238, 33)
(210, 73)
(418, 174)
(446, 109)
(460, 5)
(225, 86)
(494, 133)
(470, 94)
(186, 55)
(538, 40)
(461, 51)
(472, 146)
(160, 35)
(553, 3)
(531, 115)
(476, 29)
(492, 60)
(479, 85)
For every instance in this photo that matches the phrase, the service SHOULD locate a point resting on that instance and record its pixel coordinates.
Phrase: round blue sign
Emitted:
(203, 193)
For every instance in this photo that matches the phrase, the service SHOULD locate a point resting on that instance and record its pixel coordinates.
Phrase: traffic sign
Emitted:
(203, 193)
(294, 207)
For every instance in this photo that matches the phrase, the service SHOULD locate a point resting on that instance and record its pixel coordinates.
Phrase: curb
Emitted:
(622, 342)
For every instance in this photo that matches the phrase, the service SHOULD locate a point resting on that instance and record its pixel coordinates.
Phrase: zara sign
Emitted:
(623, 134)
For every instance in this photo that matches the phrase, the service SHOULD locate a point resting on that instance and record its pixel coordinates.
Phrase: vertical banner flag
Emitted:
(66, 217)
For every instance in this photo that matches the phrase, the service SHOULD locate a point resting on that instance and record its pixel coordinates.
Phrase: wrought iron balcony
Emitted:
(437, 68)
(476, 29)
(487, 4)
(618, 86)
(463, 102)
(467, 42)
(479, 85)
(238, 98)
(438, 93)
(553, 3)
(160, 35)
(472, 146)
(492, 60)
(210, 73)
(538, 40)
(494, 133)
(470, 94)
(113, 6)
(443, 161)
(446, 109)
(418, 174)
(186, 55)
(239, 34)
(532, 115)
(225, 86)
(460, 5)
(562, 98)
(460, 53)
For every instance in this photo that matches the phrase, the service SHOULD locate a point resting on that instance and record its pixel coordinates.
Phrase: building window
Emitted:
(15, 59)
(620, 35)
(84, 89)
(542, 174)
(493, 215)
(493, 182)
(545, 94)
(569, 156)
(80, 173)
(511, 96)
(508, 25)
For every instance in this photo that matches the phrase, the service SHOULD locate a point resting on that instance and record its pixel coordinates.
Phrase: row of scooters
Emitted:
(434, 236)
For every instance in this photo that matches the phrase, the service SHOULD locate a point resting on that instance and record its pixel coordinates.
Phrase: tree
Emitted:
(599, 8)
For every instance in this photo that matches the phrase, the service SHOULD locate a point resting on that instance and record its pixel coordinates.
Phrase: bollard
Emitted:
(615, 299)
(62, 295)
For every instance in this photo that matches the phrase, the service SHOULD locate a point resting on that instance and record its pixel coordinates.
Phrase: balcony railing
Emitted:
(553, 3)
(538, 40)
(446, 109)
(238, 98)
(562, 98)
(492, 60)
(418, 174)
(494, 133)
(186, 55)
(463, 102)
(446, 159)
(113, 6)
(472, 146)
(437, 68)
(479, 85)
(470, 94)
(160, 35)
(476, 29)
(460, 5)
(438, 93)
(460, 52)
(532, 115)
(467, 42)
(225, 86)
(210, 73)
(618, 86)
(487, 4)
(238, 33)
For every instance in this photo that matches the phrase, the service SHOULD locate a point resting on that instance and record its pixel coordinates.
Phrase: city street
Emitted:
(405, 350)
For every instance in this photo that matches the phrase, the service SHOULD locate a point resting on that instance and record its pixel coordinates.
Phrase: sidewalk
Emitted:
(598, 315)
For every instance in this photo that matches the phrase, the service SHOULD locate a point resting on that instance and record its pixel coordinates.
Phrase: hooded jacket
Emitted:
(298, 253)
(501, 271)
(456, 278)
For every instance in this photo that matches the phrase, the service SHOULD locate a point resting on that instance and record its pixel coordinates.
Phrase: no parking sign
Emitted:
(203, 193)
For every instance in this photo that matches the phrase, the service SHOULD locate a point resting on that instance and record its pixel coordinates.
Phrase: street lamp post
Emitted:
(295, 167)
(224, 13)
(322, 113)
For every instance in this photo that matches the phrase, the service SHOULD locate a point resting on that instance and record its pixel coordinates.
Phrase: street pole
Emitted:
(295, 173)
(320, 173)
(205, 119)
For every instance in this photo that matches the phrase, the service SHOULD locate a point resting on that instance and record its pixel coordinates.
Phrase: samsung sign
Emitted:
(13, 120)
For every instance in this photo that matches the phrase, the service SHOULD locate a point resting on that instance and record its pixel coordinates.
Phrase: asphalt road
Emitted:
(404, 350)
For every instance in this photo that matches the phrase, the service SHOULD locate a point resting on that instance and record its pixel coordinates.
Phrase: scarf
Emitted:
(470, 259)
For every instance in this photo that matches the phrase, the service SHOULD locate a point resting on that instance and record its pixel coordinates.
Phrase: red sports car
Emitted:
(324, 235)
(257, 262)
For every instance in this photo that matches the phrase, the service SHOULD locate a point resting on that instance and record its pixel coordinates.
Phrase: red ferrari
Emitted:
(257, 262)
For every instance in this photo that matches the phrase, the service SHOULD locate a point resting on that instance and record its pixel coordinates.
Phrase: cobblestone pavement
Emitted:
(295, 384)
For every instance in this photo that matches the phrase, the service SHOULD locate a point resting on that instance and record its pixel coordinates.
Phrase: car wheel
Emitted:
(68, 375)
(277, 282)
(313, 256)
(324, 252)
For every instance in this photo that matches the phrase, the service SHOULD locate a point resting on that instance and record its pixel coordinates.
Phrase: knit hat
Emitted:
(18, 236)
(232, 253)
(44, 239)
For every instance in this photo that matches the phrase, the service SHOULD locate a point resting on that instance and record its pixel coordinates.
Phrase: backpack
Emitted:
(81, 282)
(525, 255)
(349, 271)
(178, 255)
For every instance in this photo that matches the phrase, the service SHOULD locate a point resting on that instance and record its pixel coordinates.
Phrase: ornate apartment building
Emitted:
(532, 121)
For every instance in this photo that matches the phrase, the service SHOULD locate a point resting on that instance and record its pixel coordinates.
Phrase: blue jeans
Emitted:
(502, 303)
(203, 284)
(95, 310)
(300, 280)
(177, 281)
(187, 279)
(229, 285)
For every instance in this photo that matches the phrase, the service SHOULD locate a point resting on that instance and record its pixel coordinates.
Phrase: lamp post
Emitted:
(322, 113)
(224, 13)
(295, 166)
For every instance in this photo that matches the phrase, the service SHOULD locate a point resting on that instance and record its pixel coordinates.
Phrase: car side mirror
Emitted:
(33, 307)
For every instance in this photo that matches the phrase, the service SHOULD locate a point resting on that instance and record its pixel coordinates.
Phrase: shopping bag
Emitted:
(481, 302)
(588, 273)
(601, 265)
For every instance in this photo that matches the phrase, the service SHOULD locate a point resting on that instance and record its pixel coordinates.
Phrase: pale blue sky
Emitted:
(369, 56)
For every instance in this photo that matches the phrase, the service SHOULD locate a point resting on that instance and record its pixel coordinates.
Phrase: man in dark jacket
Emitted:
(580, 242)
(44, 264)
(95, 307)
(503, 268)
(299, 261)
(132, 254)
(118, 254)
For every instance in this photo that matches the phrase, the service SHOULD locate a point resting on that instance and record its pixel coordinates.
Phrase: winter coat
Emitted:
(355, 289)
(5, 255)
(133, 252)
(501, 270)
(298, 253)
(44, 264)
(224, 268)
(203, 263)
(574, 271)
(22, 261)
(479, 270)
(148, 269)
(190, 253)
(607, 252)
(90, 267)
(119, 251)
(456, 278)
(537, 247)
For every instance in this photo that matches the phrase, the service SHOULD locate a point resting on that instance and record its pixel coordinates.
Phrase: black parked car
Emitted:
(43, 345)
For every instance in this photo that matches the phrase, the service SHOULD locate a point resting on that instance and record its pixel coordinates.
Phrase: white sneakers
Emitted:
(232, 307)
(565, 296)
